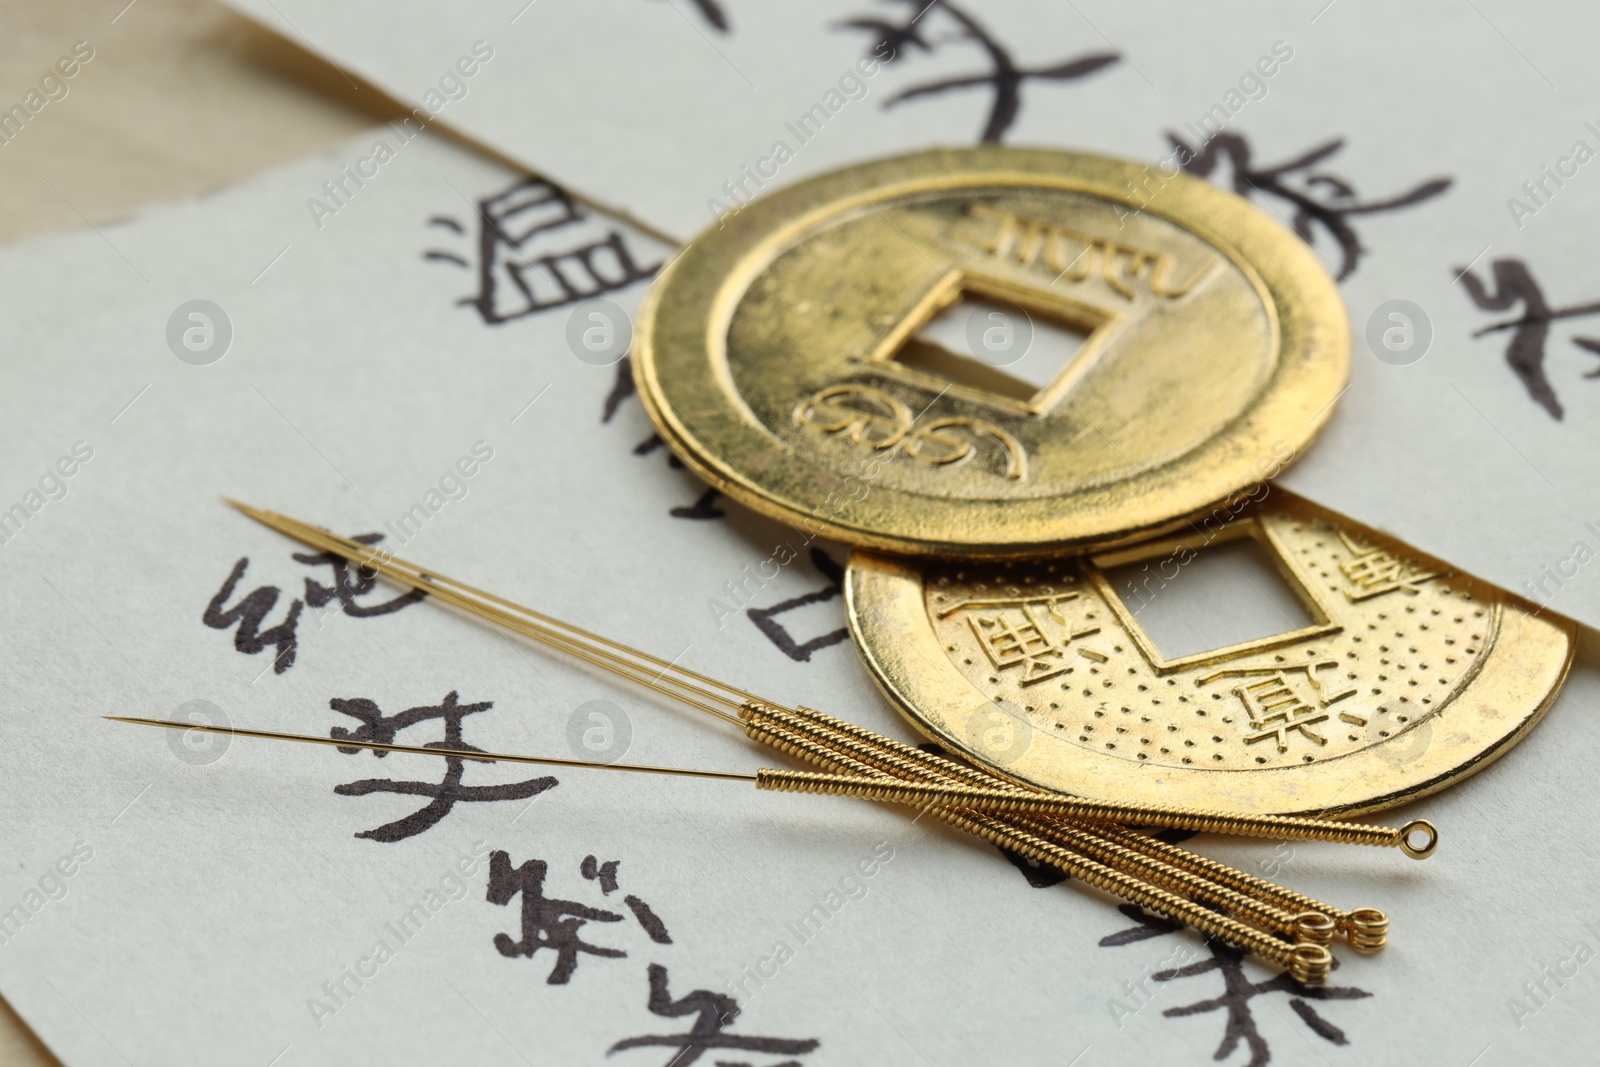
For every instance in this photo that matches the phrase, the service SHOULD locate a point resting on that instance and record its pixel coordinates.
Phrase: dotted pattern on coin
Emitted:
(785, 357)
(1408, 675)
(1087, 682)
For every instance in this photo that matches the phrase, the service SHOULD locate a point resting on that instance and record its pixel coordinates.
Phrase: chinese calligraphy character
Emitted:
(714, 1014)
(250, 612)
(765, 619)
(248, 615)
(1015, 634)
(557, 925)
(546, 922)
(538, 250)
(345, 590)
(1004, 78)
(1373, 571)
(606, 875)
(1029, 645)
(1040, 875)
(1276, 706)
(621, 389)
(1514, 283)
(376, 726)
(1318, 199)
(705, 506)
(1237, 990)
(1276, 709)
(1120, 265)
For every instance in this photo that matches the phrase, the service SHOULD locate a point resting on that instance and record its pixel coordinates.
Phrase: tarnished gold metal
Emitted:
(1368, 930)
(429, 750)
(1306, 969)
(1289, 910)
(817, 737)
(1282, 897)
(1316, 927)
(1084, 841)
(1410, 676)
(772, 352)
(1306, 961)
(1054, 805)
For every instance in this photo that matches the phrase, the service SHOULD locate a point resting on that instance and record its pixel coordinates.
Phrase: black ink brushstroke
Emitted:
(1149, 925)
(1331, 212)
(621, 389)
(703, 507)
(765, 619)
(249, 613)
(1239, 1022)
(538, 250)
(1525, 353)
(648, 919)
(347, 589)
(547, 923)
(1589, 344)
(1005, 78)
(1039, 875)
(605, 873)
(714, 1013)
(443, 795)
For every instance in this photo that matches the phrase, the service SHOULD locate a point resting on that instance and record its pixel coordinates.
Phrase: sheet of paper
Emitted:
(1438, 160)
(406, 371)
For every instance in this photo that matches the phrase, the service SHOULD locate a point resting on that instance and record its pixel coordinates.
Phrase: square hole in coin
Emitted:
(1226, 594)
(995, 346)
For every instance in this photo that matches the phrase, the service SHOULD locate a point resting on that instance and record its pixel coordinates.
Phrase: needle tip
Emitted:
(277, 522)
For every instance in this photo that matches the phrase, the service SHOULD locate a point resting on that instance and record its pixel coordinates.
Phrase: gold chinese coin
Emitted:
(1401, 677)
(991, 351)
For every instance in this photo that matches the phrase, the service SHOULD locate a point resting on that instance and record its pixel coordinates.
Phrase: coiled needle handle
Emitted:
(978, 798)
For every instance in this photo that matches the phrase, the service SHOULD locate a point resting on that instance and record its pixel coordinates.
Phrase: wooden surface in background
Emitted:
(182, 97)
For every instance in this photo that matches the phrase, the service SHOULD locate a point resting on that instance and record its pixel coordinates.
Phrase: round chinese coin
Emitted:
(991, 351)
(1398, 677)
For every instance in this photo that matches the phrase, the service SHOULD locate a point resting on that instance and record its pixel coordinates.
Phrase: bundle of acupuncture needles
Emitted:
(1092, 841)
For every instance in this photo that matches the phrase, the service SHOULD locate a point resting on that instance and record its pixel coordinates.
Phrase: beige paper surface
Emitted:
(355, 384)
(1420, 148)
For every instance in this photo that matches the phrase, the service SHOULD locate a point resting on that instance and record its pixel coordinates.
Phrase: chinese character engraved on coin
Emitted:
(1338, 714)
(1012, 353)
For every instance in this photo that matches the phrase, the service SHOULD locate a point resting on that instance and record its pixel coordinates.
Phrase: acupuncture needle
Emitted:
(605, 653)
(420, 578)
(623, 660)
(1307, 962)
(916, 794)
(1021, 814)
(421, 750)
